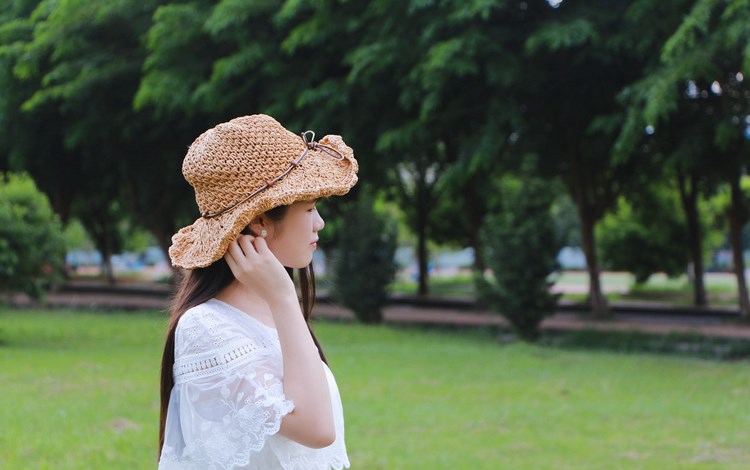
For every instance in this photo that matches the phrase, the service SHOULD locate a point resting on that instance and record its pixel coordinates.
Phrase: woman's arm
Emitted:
(305, 383)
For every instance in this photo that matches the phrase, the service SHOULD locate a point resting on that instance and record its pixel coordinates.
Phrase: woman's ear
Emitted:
(257, 225)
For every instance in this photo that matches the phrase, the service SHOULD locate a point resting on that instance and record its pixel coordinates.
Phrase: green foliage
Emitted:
(714, 210)
(73, 69)
(580, 58)
(695, 25)
(363, 261)
(557, 35)
(111, 93)
(32, 248)
(176, 62)
(136, 239)
(567, 223)
(521, 250)
(76, 237)
(629, 240)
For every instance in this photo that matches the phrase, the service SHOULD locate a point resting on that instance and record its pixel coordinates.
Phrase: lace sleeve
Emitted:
(227, 400)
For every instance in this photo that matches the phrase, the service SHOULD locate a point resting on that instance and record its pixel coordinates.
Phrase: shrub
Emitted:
(32, 247)
(521, 249)
(629, 240)
(364, 259)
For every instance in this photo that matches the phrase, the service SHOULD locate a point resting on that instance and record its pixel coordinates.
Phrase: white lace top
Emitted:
(228, 400)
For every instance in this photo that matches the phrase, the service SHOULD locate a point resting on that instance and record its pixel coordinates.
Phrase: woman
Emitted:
(244, 382)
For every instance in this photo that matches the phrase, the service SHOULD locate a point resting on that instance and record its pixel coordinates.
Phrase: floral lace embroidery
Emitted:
(243, 429)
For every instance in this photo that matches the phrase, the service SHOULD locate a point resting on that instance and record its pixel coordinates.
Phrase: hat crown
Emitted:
(232, 160)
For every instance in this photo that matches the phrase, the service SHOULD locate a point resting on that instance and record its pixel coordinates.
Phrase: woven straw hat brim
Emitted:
(318, 176)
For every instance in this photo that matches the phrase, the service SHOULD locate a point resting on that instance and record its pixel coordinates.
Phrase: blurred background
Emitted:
(516, 156)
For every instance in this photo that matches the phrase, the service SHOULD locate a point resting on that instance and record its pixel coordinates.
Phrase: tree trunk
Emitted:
(104, 245)
(422, 254)
(422, 201)
(473, 209)
(597, 301)
(736, 222)
(480, 265)
(689, 198)
(164, 241)
(100, 232)
(107, 269)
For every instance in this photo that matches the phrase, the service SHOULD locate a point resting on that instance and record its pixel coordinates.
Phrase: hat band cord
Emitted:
(310, 144)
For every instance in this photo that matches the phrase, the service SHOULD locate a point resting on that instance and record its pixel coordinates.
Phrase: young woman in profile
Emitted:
(244, 381)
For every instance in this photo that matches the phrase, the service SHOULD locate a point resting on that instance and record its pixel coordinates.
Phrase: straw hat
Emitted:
(242, 168)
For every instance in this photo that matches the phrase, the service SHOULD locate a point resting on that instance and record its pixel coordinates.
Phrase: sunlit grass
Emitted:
(454, 285)
(79, 391)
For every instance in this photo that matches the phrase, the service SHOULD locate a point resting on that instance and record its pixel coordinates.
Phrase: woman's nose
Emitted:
(318, 223)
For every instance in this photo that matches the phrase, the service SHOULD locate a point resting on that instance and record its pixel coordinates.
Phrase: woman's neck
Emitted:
(245, 299)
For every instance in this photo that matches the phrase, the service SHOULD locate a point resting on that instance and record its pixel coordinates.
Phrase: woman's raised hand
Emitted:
(255, 266)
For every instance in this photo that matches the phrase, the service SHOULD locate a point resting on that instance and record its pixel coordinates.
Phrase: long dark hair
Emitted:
(202, 284)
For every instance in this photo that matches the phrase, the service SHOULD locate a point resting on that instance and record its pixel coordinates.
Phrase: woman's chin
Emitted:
(299, 264)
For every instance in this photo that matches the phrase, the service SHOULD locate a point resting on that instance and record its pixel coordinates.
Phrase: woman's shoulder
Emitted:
(206, 315)
(210, 326)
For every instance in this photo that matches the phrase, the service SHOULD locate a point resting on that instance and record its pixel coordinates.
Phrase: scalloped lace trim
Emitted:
(222, 446)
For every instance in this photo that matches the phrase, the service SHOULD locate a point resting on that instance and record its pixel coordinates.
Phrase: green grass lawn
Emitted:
(78, 390)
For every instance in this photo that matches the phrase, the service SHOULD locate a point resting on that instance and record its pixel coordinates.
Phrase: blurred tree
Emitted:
(437, 75)
(23, 134)
(680, 149)
(405, 141)
(417, 197)
(580, 58)
(701, 69)
(76, 73)
(32, 248)
(62, 127)
(577, 67)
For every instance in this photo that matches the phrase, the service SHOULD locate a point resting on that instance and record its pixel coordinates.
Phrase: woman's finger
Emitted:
(231, 262)
(261, 246)
(232, 256)
(265, 253)
(235, 251)
(245, 242)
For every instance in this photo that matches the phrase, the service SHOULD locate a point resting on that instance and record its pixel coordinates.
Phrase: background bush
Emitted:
(32, 248)
(521, 247)
(630, 239)
(364, 261)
